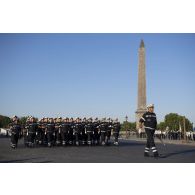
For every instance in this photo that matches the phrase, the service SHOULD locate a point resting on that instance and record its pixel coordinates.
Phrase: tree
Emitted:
(130, 126)
(172, 120)
(23, 119)
(4, 121)
(161, 126)
(175, 122)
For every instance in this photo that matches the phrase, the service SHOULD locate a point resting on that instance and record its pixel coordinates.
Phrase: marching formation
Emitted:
(63, 132)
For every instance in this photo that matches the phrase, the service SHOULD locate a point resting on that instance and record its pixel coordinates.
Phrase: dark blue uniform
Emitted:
(50, 130)
(116, 129)
(89, 132)
(32, 130)
(65, 133)
(102, 128)
(150, 124)
(15, 133)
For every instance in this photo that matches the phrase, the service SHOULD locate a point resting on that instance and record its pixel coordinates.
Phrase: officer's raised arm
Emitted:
(141, 121)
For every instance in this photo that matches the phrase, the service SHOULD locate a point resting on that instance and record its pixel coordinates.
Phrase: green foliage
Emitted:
(175, 122)
(130, 126)
(23, 120)
(4, 121)
(161, 126)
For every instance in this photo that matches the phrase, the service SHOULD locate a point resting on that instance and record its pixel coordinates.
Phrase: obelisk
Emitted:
(141, 101)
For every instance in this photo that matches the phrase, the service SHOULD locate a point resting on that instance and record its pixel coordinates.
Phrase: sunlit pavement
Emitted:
(128, 151)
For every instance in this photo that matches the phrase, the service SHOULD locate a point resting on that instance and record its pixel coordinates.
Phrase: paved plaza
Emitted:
(129, 151)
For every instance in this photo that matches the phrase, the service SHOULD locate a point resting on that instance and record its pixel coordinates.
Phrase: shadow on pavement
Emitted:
(18, 161)
(4, 136)
(124, 144)
(178, 153)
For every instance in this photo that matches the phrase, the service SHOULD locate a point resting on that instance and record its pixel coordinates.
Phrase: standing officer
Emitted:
(15, 129)
(150, 123)
(116, 130)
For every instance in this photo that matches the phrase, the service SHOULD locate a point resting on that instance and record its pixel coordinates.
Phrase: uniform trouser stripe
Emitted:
(154, 150)
(146, 150)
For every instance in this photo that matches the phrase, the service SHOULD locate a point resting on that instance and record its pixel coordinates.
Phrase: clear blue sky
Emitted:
(95, 74)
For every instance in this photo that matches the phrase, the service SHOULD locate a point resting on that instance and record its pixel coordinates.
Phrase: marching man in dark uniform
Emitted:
(50, 130)
(116, 130)
(40, 132)
(150, 123)
(44, 130)
(15, 131)
(64, 131)
(96, 136)
(77, 132)
(102, 128)
(70, 132)
(83, 132)
(32, 130)
(108, 130)
(89, 131)
(58, 130)
(25, 132)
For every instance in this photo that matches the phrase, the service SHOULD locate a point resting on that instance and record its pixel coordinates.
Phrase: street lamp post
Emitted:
(184, 128)
(126, 119)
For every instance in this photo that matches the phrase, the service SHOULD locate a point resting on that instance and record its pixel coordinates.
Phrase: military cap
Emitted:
(150, 106)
